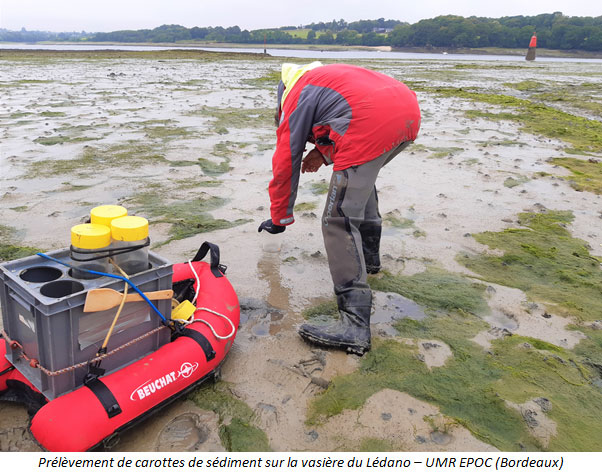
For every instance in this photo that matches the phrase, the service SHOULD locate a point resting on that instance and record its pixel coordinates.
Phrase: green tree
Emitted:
(348, 37)
(400, 36)
(326, 38)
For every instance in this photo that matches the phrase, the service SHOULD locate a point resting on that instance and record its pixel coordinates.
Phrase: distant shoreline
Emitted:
(542, 52)
(330, 47)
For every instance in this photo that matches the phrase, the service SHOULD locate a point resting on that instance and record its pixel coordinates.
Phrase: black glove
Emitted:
(270, 227)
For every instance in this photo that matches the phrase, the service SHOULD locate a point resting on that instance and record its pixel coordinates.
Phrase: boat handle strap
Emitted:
(201, 340)
(217, 269)
(104, 395)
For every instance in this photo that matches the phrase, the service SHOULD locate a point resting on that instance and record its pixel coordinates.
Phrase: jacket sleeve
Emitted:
(295, 125)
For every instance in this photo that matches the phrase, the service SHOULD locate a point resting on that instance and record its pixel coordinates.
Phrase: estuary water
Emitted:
(300, 53)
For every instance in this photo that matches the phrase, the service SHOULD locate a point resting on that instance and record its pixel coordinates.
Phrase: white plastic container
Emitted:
(271, 243)
(89, 245)
(130, 232)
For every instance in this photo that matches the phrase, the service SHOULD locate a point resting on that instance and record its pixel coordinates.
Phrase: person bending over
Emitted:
(358, 120)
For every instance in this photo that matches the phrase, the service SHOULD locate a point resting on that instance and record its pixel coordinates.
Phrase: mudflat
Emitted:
(486, 325)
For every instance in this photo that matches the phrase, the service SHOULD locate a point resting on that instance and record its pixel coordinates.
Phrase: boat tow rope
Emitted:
(196, 295)
(36, 364)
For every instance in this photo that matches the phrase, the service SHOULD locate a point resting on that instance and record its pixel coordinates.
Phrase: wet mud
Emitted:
(188, 144)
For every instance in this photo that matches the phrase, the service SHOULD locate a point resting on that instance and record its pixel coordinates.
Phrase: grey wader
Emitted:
(351, 226)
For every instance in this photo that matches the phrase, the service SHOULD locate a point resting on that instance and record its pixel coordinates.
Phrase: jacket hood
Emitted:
(291, 73)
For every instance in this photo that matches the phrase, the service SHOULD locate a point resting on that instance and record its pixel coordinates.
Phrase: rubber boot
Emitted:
(352, 331)
(371, 246)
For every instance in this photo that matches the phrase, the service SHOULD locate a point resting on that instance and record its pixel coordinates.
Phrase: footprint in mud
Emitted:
(17, 439)
(267, 415)
(440, 438)
(258, 318)
(185, 433)
(267, 324)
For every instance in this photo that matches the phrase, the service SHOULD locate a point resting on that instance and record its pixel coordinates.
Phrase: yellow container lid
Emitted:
(183, 311)
(129, 228)
(104, 214)
(90, 236)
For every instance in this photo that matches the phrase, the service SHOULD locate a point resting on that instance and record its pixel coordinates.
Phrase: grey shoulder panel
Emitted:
(316, 106)
(334, 111)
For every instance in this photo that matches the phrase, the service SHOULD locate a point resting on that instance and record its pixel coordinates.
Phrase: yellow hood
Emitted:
(291, 73)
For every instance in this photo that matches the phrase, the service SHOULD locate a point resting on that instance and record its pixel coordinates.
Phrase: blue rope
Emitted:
(114, 276)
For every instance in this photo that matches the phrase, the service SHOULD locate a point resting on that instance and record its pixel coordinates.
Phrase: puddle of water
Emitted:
(499, 319)
(269, 324)
(389, 306)
(268, 268)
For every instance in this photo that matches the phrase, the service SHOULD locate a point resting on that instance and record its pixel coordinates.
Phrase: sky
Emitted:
(111, 15)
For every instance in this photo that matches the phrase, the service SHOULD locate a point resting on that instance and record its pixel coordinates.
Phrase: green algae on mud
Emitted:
(587, 175)
(546, 262)
(320, 187)
(473, 386)
(437, 152)
(373, 444)
(163, 132)
(60, 139)
(52, 140)
(569, 98)
(238, 432)
(442, 152)
(590, 349)
(576, 96)
(21, 82)
(324, 311)
(270, 79)
(525, 85)
(194, 183)
(511, 182)
(583, 134)
(224, 150)
(8, 250)
(210, 168)
(436, 289)
(488, 66)
(461, 389)
(95, 158)
(47, 55)
(398, 222)
(186, 218)
(306, 206)
(232, 117)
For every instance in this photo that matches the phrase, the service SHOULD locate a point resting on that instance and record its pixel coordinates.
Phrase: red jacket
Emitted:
(353, 114)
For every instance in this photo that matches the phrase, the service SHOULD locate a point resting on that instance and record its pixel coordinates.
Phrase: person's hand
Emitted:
(312, 162)
(270, 227)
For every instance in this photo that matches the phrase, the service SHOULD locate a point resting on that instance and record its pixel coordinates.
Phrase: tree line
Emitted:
(554, 31)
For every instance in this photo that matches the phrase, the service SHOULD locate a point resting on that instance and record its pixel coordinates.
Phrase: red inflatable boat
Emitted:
(96, 412)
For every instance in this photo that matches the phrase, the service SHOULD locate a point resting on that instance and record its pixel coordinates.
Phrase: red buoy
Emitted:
(532, 47)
